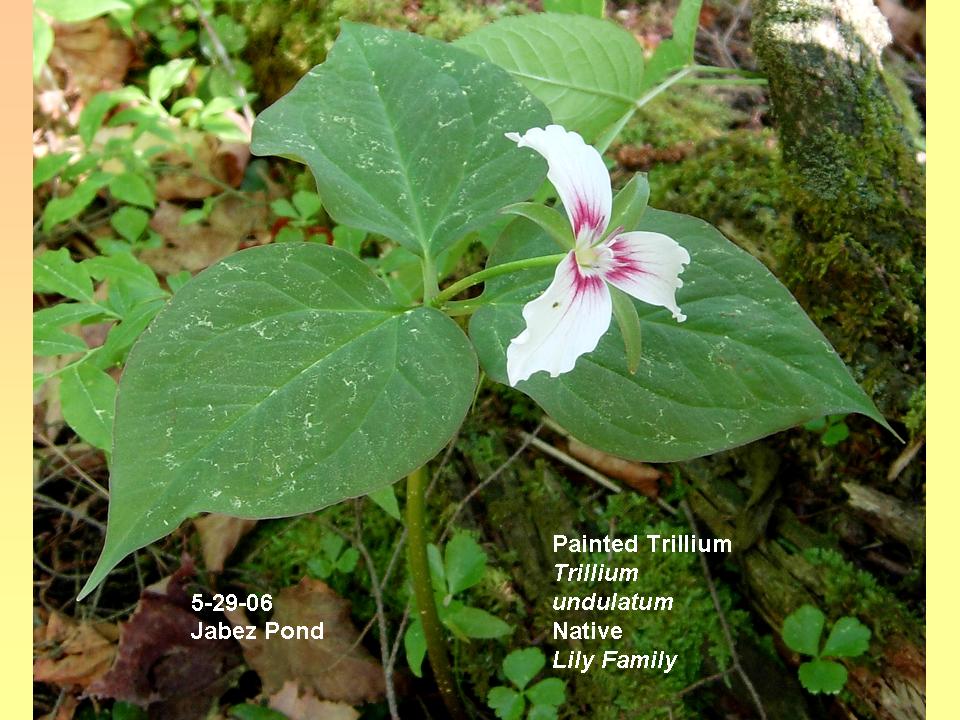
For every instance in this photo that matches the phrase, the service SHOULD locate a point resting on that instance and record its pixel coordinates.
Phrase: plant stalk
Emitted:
(492, 272)
(423, 591)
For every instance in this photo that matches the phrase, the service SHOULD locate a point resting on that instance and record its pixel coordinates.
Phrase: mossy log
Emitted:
(857, 184)
(785, 564)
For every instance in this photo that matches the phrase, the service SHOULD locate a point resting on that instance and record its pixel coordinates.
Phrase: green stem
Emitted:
(423, 591)
(670, 81)
(726, 71)
(492, 272)
(722, 82)
(430, 287)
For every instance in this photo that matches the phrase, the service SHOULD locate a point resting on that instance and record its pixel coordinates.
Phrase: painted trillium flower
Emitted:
(573, 313)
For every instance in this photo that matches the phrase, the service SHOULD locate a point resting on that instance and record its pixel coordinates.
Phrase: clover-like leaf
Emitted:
(802, 630)
(521, 666)
(823, 676)
(507, 703)
(848, 638)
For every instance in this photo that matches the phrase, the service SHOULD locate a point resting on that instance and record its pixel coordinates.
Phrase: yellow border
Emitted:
(15, 368)
(16, 528)
(943, 258)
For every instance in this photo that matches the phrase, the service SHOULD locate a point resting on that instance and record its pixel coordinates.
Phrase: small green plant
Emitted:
(832, 428)
(459, 568)
(520, 667)
(333, 558)
(299, 215)
(848, 638)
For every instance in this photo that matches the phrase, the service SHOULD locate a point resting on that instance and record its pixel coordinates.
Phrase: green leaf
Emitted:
(54, 271)
(630, 203)
(587, 71)
(61, 209)
(164, 79)
(91, 118)
(542, 712)
(289, 234)
(552, 220)
(802, 629)
(835, 434)
(508, 704)
(307, 203)
(178, 280)
(53, 341)
(63, 314)
(72, 11)
(464, 562)
(521, 666)
(677, 52)
(249, 711)
(122, 267)
(746, 363)
(280, 380)
(349, 238)
(42, 43)
(284, 208)
(122, 336)
(386, 499)
(848, 638)
(415, 647)
(87, 395)
(130, 222)
(593, 8)
(132, 188)
(823, 676)
(348, 561)
(548, 692)
(437, 572)
(127, 711)
(49, 166)
(625, 313)
(473, 622)
(404, 136)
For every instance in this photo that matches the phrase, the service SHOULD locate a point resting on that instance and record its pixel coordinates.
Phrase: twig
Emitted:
(224, 58)
(728, 636)
(572, 462)
(490, 478)
(98, 488)
(72, 512)
(375, 589)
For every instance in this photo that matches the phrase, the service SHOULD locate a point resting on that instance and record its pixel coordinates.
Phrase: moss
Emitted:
(737, 183)
(857, 190)
(287, 39)
(681, 115)
(522, 511)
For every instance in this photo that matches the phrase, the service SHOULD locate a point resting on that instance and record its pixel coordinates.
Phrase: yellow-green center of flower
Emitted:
(587, 256)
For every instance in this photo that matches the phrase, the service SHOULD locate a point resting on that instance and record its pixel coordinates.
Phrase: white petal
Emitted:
(647, 266)
(565, 322)
(579, 175)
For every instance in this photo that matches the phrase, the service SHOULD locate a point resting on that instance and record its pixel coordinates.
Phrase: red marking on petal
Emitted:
(623, 266)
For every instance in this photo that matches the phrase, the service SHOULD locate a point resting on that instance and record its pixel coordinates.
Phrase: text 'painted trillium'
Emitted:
(573, 313)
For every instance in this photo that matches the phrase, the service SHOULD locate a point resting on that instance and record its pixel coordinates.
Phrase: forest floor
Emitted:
(507, 483)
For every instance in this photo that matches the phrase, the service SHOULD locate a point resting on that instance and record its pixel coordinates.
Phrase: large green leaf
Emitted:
(280, 380)
(588, 71)
(676, 52)
(405, 136)
(746, 363)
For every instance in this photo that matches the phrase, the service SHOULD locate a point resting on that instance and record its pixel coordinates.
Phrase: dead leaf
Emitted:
(74, 654)
(203, 163)
(197, 246)
(641, 477)
(308, 706)
(159, 664)
(91, 57)
(219, 535)
(907, 26)
(335, 668)
(66, 710)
